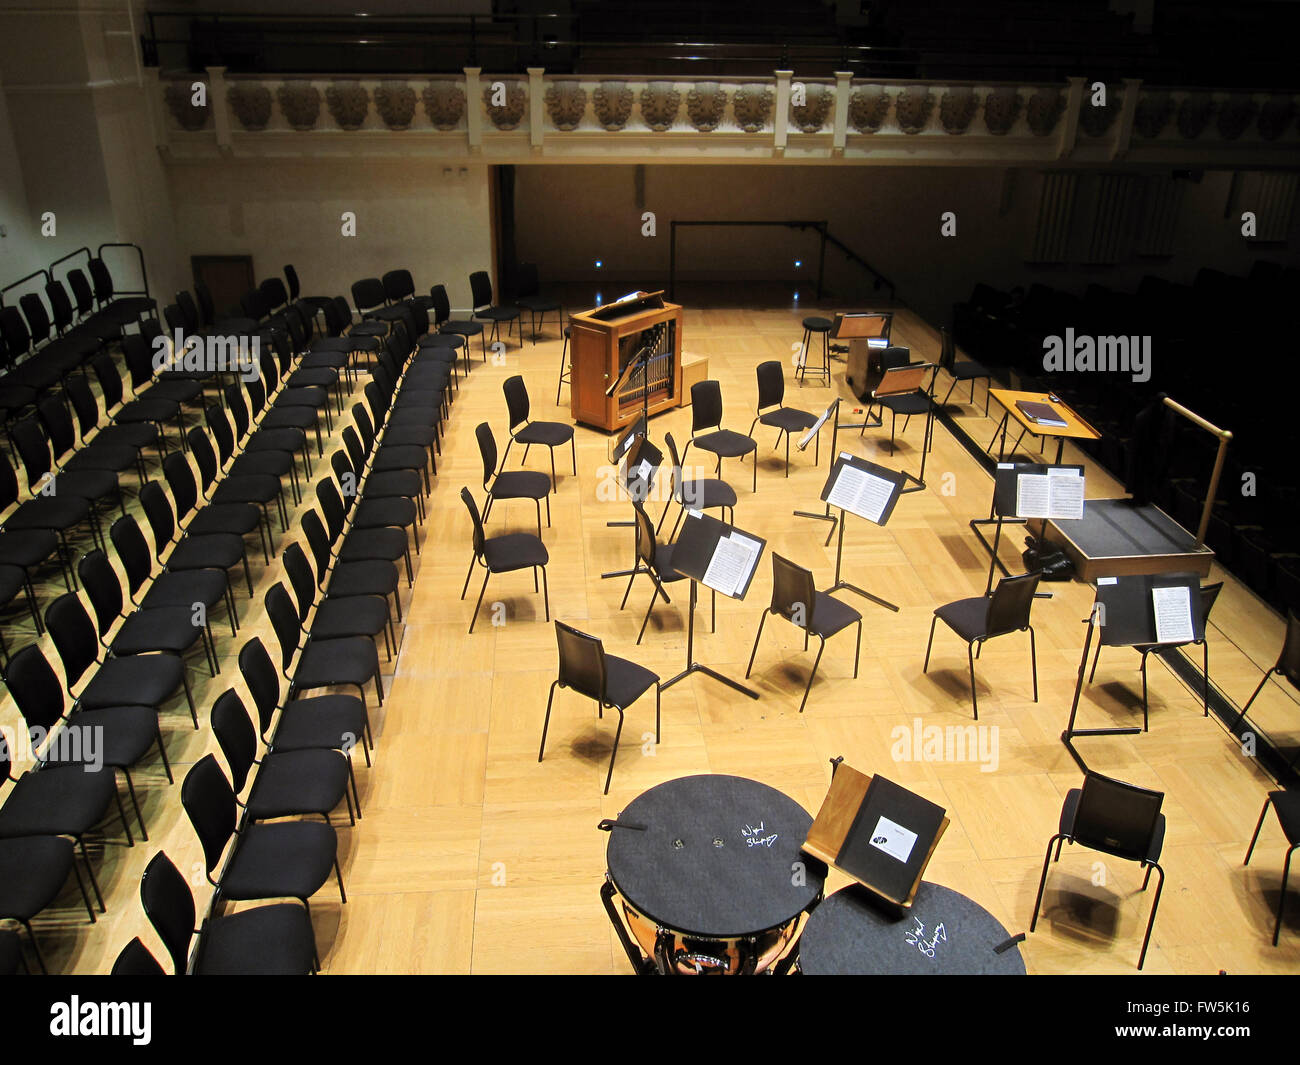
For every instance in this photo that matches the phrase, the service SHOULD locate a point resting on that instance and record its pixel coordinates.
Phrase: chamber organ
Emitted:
(604, 341)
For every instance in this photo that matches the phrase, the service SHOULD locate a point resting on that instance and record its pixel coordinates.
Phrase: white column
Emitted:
(781, 116)
(843, 87)
(474, 109)
(536, 107)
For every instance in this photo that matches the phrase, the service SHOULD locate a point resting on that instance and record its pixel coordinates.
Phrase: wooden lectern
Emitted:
(603, 341)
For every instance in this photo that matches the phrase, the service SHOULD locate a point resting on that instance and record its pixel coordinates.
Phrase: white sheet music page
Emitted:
(1065, 494)
(1032, 495)
(733, 560)
(861, 493)
(1173, 607)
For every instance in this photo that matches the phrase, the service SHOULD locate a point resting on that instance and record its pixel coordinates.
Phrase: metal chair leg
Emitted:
(1281, 902)
(546, 722)
(929, 643)
(974, 700)
(1042, 881)
(1160, 886)
(757, 636)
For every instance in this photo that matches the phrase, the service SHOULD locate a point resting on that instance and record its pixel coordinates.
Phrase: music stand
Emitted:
(619, 449)
(1125, 613)
(1005, 509)
(870, 491)
(899, 381)
(723, 558)
(831, 412)
(640, 462)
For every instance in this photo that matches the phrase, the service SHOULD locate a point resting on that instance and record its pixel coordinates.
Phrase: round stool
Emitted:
(813, 325)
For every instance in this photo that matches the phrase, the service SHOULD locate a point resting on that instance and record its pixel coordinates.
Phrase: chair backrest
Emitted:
(367, 294)
(36, 690)
(398, 285)
(189, 310)
(356, 452)
(947, 350)
(74, 636)
(58, 425)
(480, 287)
(169, 905)
(132, 551)
(343, 311)
(263, 683)
(60, 305)
(527, 282)
(175, 318)
(646, 544)
(102, 588)
(771, 384)
(102, 279)
(706, 406)
(38, 321)
(675, 470)
(180, 479)
(205, 458)
(335, 320)
(14, 331)
(291, 275)
(274, 294)
(895, 356)
(441, 304)
(110, 381)
(793, 592)
(299, 330)
(81, 292)
(1011, 602)
(378, 404)
(219, 425)
(207, 309)
(158, 512)
(237, 407)
(582, 661)
(235, 736)
(284, 622)
(344, 473)
(361, 420)
(1209, 596)
(479, 538)
(135, 960)
(516, 393)
(300, 576)
(210, 805)
(139, 360)
(1288, 662)
(33, 449)
(487, 449)
(84, 404)
(1117, 818)
(334, 512)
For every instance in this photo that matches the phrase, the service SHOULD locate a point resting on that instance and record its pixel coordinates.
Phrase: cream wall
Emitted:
(408, 214)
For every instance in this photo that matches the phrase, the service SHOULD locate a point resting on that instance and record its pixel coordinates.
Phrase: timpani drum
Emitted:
(943, 932)
(708, 876)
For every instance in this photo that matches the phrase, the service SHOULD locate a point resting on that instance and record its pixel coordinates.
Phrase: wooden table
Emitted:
(1074, 429)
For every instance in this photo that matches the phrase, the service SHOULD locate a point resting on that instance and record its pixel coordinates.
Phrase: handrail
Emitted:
(1224, 437)
(22, 281)
(854, 257)
(144, 276)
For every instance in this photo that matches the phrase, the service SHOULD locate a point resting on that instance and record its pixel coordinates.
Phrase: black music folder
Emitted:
(1041, 414)
(877, 832)
(717, 555)
(1036, 490)
(1158, 608)
(864, 488)
(641, 464)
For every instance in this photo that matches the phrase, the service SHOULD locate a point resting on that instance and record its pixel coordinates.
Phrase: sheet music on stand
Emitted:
(1049, 491)
(733, 563)
(1172, 608)
(863, 488)
(639, 467)
(621, 445)
(1156, 608)
(807, 437)
(716, 554)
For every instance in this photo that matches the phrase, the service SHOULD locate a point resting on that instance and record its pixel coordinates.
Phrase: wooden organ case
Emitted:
(604, 340)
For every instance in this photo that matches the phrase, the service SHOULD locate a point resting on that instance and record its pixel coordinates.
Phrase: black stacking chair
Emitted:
(462, 327)
(655, 560)
(702, 493)
(396, 428)
(480, 286)
(169, 588)
(515, 484)
(224, 518)
(361, 573)
(385, 501)
(815, 325)
(135, 959)
(46, 482)
(207, 310)
(13, 583)
(165, 629)
(274, 295)
(522, 431)
(193, 551)
(295, 290)
(336, 616)
(615, 683)
(390, 457)
(706, 413)
(94, 457)
(795, 598)
(1114, 818)
(247, 485)
(786, 420)
(532, 300)
(130, 308)
(29, 528)
(325, 722)
(149, 411)
(280, 419)
(962, 370)
(33, 870)
(368, 297)
(126, 732)
(288, 784)
(279, 860)
(346, 662)
(381, 544)
(174, 385)
(275, 940)
(135, 436)
(146, 679)
(262, 451)
(1288, 666)
(1209, 593)
(1287, 806)
(983, 617)
(503, 554)
(58, 801)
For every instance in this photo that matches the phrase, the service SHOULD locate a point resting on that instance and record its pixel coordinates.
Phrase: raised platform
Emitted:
(1114, 538)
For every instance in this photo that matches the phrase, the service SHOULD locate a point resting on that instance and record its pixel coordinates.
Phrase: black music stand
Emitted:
(639, 463)
(699, 548)
(833, 414)
(854, 486)
(1005, 509)
(1124, 612)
